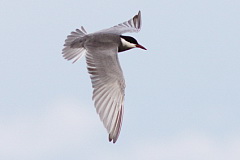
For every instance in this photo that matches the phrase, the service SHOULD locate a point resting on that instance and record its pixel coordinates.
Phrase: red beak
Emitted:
(140, 46)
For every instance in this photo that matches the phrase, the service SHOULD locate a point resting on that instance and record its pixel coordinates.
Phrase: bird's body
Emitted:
(100, 49)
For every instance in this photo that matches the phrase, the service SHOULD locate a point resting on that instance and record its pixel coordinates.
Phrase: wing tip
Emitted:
(112, 139)
(114, 134)
(137, 20)
(139, 13)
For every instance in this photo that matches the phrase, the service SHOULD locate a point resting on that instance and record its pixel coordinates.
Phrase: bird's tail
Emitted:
(74, 45)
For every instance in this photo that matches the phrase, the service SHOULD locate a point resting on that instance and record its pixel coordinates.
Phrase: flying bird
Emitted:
(100, 49)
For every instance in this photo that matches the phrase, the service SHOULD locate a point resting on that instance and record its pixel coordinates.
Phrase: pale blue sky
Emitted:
(182, 96)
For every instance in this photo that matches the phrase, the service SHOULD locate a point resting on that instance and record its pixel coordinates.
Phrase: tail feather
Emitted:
(74, 45)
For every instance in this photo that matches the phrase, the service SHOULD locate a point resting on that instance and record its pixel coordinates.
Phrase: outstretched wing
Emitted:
(108, 84)
(132, 25)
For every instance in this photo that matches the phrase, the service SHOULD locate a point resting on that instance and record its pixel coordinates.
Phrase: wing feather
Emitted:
(108, 86)
(132, 25)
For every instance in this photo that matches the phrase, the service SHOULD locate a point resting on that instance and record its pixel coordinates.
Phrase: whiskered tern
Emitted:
(100, 49)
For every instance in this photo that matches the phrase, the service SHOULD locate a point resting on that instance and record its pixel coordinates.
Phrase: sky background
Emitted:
(182, 94)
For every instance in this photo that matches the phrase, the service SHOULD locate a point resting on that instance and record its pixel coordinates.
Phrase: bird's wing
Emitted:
(108, 84)
(132, 25)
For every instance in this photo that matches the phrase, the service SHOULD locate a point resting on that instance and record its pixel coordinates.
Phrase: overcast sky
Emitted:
(182, 97)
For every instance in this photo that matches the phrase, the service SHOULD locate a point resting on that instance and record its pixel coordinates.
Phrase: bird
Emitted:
(101, 50)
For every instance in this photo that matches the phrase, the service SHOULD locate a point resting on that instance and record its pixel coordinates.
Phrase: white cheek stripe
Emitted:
(127, 44)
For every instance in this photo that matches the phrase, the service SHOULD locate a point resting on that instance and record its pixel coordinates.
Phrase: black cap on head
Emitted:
(129, 39)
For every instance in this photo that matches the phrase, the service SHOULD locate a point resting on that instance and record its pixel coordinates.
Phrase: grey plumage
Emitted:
(100, 49)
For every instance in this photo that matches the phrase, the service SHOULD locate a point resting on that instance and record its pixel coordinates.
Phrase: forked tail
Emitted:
(73, 49)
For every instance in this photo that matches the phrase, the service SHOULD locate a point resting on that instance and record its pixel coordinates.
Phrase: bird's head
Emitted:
(128, 42)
